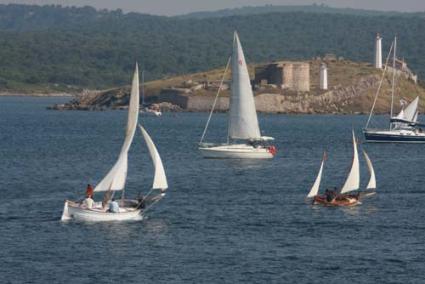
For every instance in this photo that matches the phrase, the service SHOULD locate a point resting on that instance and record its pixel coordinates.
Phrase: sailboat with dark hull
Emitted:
(403, 128)
(350, 193)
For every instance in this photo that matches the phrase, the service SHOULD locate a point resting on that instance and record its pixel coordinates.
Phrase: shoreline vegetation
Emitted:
(352, 88)
(84, 54)
(68, 48)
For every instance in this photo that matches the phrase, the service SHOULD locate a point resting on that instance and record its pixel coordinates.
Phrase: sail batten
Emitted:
(160, 179)
(243, 121)
(372, 180)
(353, 180)
(117, 176)
(316, 186)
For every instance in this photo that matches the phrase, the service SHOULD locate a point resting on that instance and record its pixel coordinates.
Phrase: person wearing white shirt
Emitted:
(88, 202)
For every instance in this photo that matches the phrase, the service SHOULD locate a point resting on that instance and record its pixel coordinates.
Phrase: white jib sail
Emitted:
(411, 110)
(353, 180)
(159, 180)
(372, 180)
(116, 177)
(243, 122)
(315, 189)
(415, 118)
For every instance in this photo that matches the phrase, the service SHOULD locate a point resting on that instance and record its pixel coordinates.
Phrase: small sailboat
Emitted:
(115, 180)
(347, 196)
(403, 128)
(146, 109)
(244, 140)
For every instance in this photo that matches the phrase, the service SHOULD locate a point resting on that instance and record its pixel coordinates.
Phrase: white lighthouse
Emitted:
(323, 77)
(378, 52)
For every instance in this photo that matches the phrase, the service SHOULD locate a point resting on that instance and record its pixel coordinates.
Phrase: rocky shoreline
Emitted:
(18, 94)
(352, 90)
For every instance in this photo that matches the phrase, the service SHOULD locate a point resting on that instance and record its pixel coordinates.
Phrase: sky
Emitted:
(178, 7)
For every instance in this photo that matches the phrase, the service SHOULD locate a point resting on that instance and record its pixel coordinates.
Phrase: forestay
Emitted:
(243, 122)
(315, 189)
(116, 177)
(372, 180)
(353, 180)
(160, 180)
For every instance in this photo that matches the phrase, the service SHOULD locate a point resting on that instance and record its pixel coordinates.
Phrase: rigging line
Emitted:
(215, 100)
(393, 87)
(150, 205)
(143, 88)
(379, 87)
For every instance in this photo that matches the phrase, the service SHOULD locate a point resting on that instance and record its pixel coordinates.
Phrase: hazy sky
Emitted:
(174, 7)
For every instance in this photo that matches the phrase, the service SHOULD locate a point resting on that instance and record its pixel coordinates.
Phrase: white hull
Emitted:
(236, 151)
(98, 215)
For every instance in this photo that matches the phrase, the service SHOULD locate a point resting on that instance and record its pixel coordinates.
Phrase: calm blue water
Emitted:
(222, 221)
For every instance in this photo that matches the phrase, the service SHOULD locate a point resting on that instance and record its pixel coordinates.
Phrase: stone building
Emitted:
(294, 76)
(402, 67)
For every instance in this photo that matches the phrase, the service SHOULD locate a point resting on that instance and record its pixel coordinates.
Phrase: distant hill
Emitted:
(68, 48)
(315, 8)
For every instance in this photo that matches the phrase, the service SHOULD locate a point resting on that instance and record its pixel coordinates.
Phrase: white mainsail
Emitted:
(243, 122)
(372, 180)
(116, 177)
(315, 189)
(353, 180)
(160, 180)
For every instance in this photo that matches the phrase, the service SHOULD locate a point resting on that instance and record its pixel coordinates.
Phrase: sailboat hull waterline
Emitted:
(236, 151)
(77, 213)
(338, 202)
(394, 136)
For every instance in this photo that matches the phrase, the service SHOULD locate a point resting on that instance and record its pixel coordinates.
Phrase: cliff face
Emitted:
(352, 88)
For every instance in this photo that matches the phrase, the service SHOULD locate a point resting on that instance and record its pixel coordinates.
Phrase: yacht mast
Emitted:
(393, 83)
(143, 88)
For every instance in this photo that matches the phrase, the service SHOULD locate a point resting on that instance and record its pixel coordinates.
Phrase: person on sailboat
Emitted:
(89, 191)
(114, 207)
(88, 202)
(330, 195)
(106, 198)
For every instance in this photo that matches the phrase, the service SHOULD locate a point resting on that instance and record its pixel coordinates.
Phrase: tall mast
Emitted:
(393, 83)
(143, 88)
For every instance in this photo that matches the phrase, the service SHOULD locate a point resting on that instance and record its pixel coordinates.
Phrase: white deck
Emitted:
(236, 151)
(397, 132)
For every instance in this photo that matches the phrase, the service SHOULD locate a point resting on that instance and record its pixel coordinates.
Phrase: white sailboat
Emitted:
(403, 128)
(244, 136)
(351, 184)
(115, 180)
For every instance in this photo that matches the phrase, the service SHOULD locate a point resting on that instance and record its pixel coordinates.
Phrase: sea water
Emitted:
(222, 221)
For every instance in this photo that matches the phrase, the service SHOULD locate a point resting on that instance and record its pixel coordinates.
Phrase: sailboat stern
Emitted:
(65, 213)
